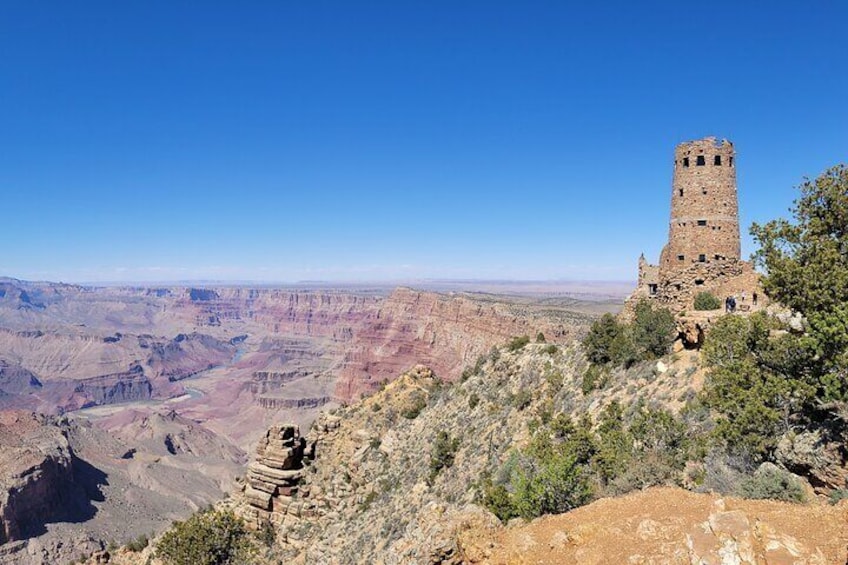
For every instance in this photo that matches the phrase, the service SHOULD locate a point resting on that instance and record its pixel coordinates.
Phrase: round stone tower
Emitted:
(704, 224)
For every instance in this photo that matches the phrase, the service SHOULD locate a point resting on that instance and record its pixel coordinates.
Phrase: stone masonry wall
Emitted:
(720, 278)
(704, 222)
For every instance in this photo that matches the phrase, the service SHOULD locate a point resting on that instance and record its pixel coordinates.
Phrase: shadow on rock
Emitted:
(58, 496)
(90, 479)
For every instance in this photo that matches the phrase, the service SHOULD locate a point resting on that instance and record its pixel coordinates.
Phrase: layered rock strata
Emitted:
(271, 487)
(276, 403)
(444, 332)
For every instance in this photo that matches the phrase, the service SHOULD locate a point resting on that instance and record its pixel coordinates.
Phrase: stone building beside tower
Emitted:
(703, 252)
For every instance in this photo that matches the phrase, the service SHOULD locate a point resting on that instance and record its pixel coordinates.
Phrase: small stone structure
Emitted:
(703, 252)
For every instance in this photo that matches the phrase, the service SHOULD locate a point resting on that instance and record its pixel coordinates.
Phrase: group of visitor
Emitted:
(730, 302)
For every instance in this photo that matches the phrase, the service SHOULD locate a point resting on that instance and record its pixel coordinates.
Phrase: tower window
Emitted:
(681, 192)
(701, 161)
(681, 257)
(652, 289)
(699, 282)
(717, 161)
(730, 161)
(686, 161)
(702, 222)
(702, 258)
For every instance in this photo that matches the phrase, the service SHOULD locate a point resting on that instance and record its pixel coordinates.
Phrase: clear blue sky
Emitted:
(283, 141)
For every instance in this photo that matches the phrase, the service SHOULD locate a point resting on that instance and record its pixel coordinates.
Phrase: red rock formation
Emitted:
(444, 332)
(328, 313)
(381, 336)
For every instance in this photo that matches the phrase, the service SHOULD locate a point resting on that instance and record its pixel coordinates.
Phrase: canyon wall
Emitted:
(91, 346)
(320, 313)
(444, 332)
(37, 484)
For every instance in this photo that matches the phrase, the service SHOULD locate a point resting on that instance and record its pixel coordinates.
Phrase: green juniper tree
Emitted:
(806, 263)
(763, 385)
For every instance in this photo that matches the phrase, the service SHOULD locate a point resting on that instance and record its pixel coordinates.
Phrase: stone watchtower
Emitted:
(704, 223)
(703, 252)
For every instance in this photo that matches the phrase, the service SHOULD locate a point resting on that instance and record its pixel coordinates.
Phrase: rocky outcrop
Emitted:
(693, 327)
(320, 313)
(150, 432)
(817, 455)
(15, 293)
(269, 381)
(202, 294)
(37, 479)
(270, 490)
(58, 371)
(68, 487)
(62, 395)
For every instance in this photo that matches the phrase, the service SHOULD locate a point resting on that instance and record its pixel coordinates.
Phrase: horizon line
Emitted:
(341, 282)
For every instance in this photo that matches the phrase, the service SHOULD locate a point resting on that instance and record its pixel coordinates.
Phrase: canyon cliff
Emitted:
(282, 349)
(68, 487)
(38, 480)
(162, 388)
